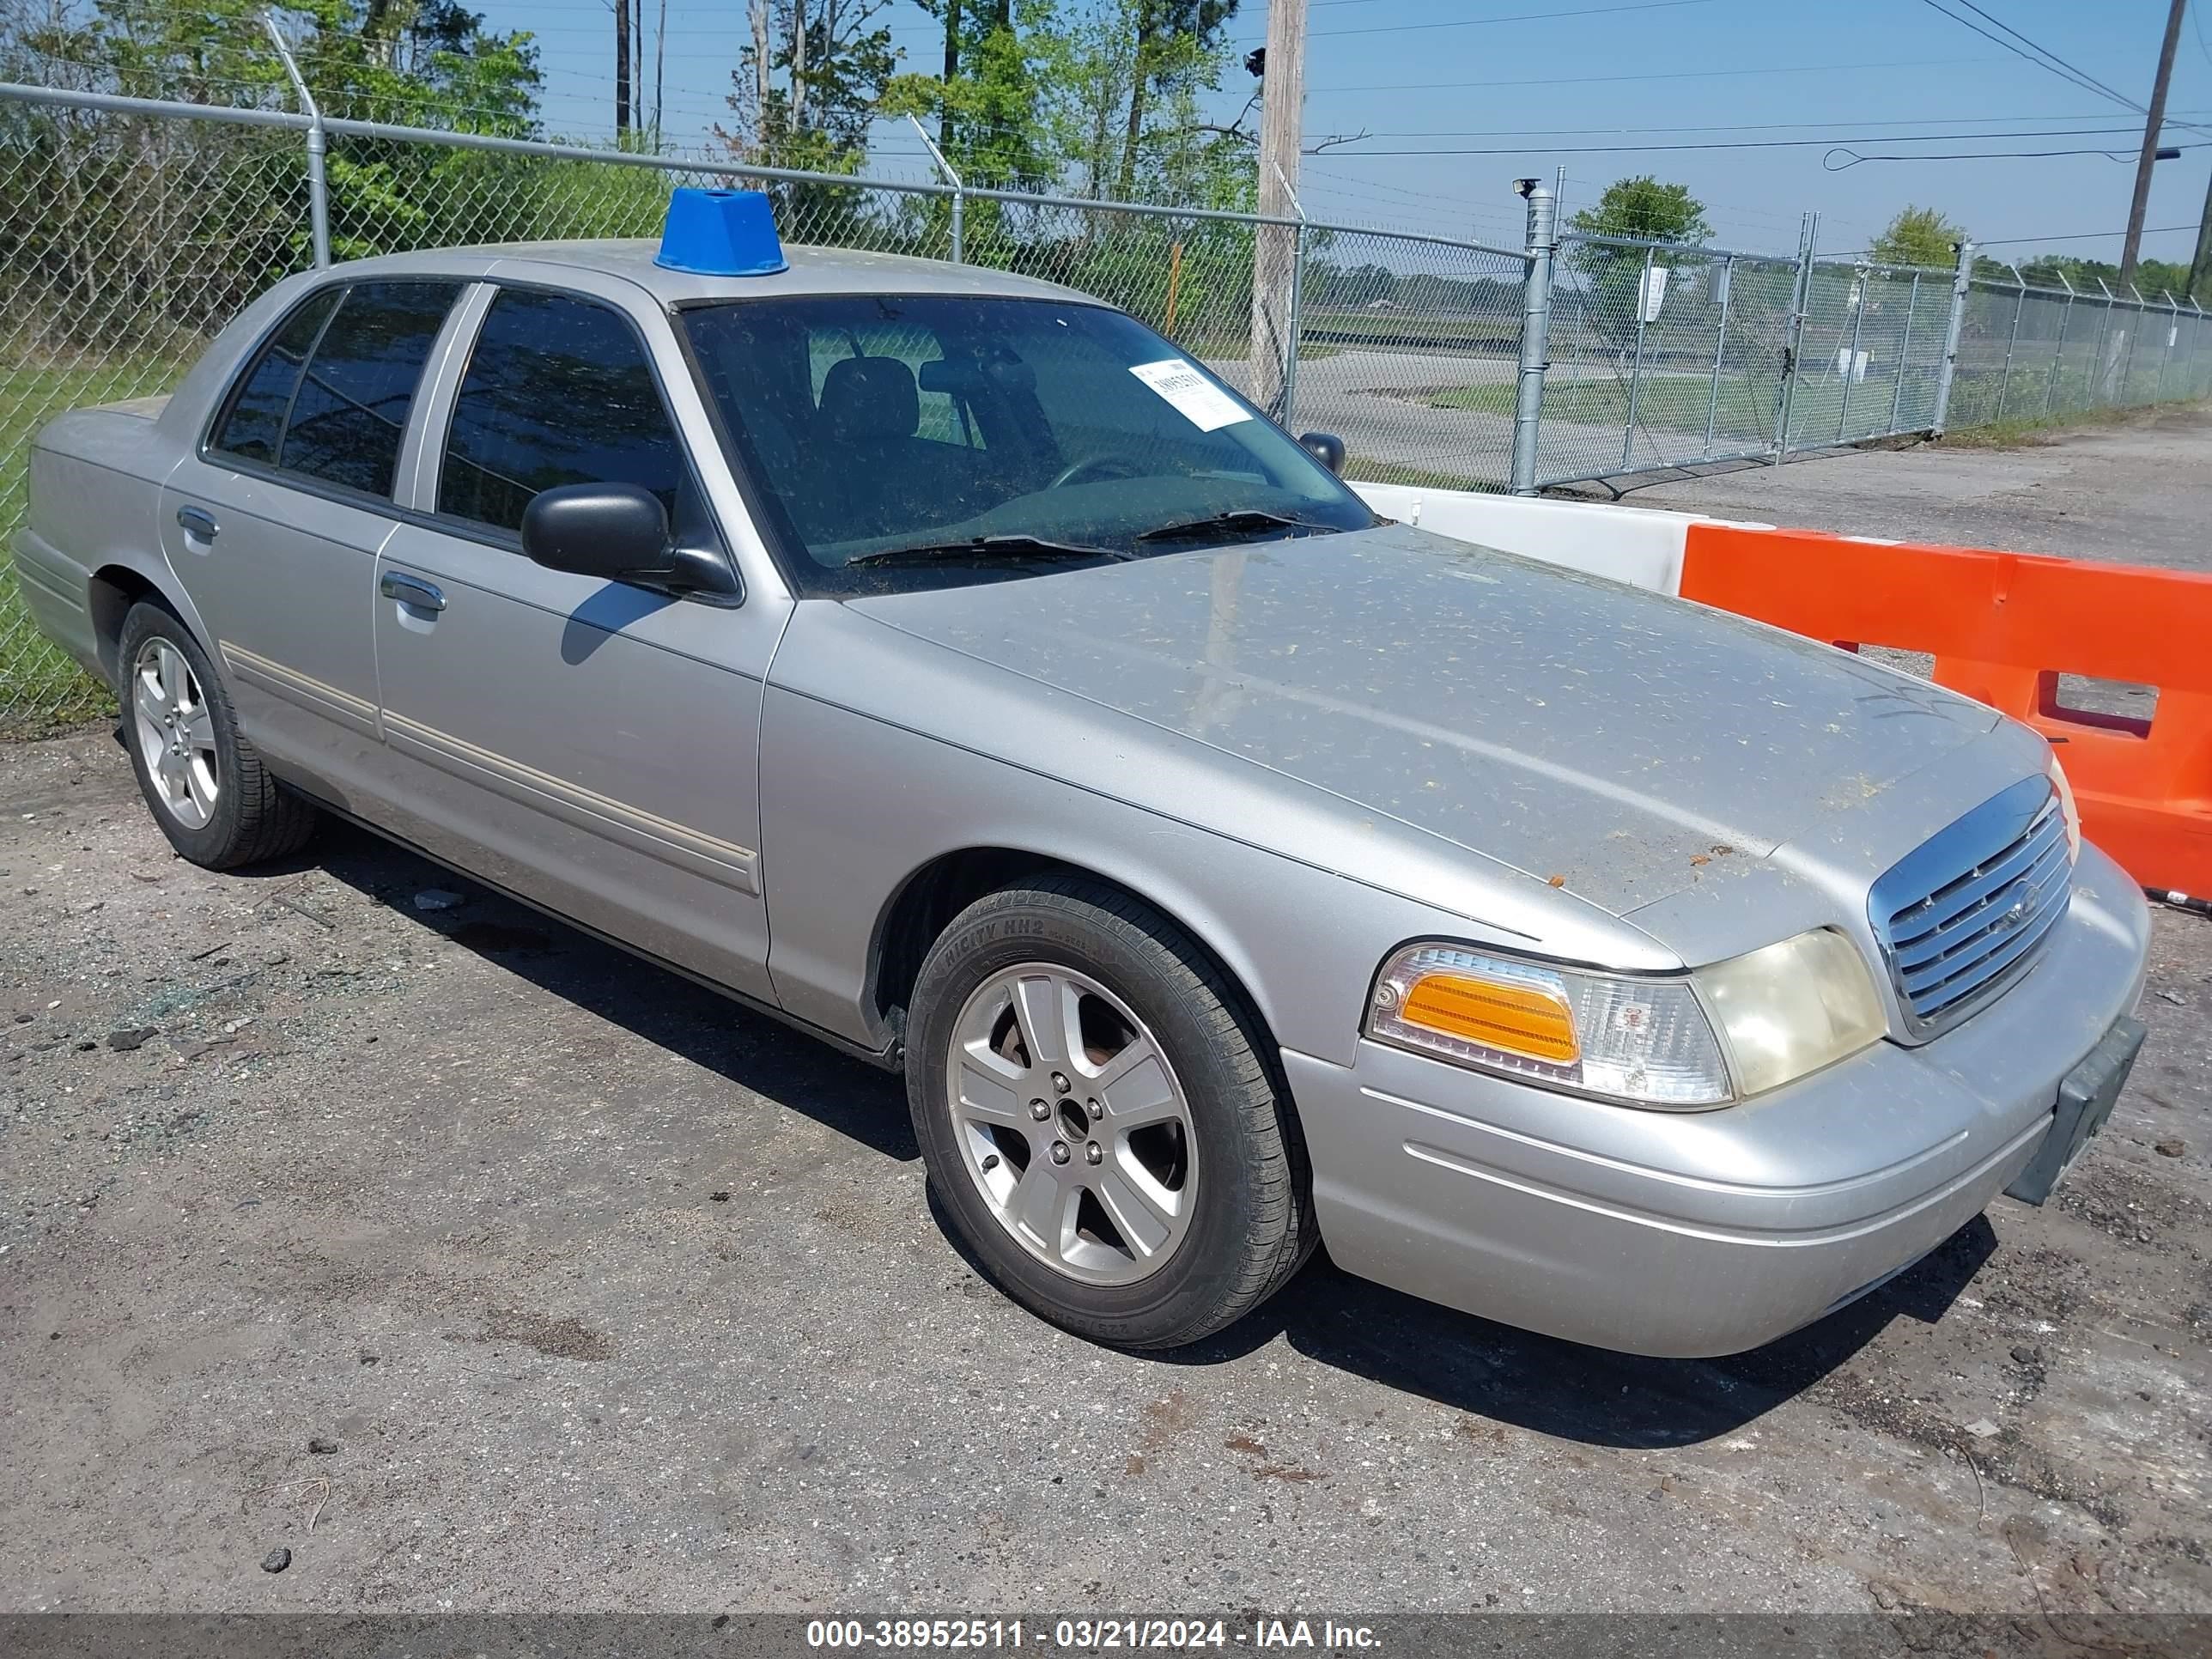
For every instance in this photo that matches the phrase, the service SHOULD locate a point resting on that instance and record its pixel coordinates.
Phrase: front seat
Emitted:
(871, 475)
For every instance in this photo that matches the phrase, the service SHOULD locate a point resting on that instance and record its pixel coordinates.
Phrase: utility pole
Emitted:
(622, 68)
(2200, 269)
(952, 69)
(1275, 248)
(2148, 161)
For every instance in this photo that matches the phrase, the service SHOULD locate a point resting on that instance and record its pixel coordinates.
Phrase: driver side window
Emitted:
(557, 392)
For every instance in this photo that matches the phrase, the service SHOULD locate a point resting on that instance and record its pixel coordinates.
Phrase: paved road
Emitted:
(2138, 490)
(1372, 400)
(611, 1296)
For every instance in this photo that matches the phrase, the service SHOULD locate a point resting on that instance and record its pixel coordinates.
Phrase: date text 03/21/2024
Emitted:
(1087, 1635)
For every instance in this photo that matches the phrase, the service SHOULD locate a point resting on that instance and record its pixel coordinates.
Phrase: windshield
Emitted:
(923, 441)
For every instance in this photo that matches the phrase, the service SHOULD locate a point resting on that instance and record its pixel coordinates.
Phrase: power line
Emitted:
(1829, 161)
(2040, 57)
(1767, 144)
(1515, 17)
(2074, 236)
(1668, 74)
(1746, 126)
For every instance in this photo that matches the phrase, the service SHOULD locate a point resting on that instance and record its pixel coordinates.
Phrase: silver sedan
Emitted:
(944, 662)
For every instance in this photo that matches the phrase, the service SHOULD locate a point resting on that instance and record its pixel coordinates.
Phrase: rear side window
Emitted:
(352, 406)
(253, 425)
(558, 391)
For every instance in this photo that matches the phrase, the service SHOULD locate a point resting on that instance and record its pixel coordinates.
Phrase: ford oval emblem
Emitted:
(2028, 897)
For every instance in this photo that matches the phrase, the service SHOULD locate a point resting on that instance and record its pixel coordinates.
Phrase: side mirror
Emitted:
(619, 533)
(1326, 448)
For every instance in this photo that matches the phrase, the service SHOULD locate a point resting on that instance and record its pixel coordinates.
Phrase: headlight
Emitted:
(2066, 805)
(1793, 1007)
(1736, 1029)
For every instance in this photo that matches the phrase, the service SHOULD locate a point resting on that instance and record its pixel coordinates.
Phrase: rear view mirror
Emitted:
(1326, 448)
(618, 532)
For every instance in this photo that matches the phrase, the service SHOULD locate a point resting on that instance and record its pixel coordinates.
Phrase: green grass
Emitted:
(2020, 432)
(40, 689)
(1664, 401)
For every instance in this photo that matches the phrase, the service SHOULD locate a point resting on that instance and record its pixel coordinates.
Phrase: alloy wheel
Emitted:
(1072, 1123)
(175, 731)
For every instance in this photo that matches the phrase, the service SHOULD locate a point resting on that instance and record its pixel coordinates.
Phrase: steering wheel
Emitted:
(1096, 469)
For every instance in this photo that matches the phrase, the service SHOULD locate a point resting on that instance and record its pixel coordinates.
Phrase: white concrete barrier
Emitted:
(1634, 545)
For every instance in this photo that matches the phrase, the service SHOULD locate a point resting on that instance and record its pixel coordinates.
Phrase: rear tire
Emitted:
(204, 783)
(1098, 1109)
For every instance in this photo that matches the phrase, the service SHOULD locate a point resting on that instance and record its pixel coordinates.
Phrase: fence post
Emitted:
(1635, 366)
(1535, 330)
(2019, 309)
(1903, 353)
(1863, 281)
(2058, 357)
(318, 201)
(959, 190)
(2104, 328)
(1720, 349)
(1952, 330)
(2134, 341)
(1297, 313)
(1793, 338)
(2165, 357)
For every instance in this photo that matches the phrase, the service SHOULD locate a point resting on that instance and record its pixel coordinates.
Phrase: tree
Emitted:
(1173, 39)
(1097, 96)
(424, 63)
(834, 58)
(1919, 236)
(1643, 210)
(1640, 209)
(2153, 278)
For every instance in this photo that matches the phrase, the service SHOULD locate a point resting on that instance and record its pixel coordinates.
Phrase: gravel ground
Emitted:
(482, 1268)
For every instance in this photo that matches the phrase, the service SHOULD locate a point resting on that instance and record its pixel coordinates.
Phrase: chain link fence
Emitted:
(1665, 356)
(130, 233)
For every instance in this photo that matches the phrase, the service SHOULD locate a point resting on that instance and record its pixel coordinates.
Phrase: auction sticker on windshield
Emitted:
(1196, 399)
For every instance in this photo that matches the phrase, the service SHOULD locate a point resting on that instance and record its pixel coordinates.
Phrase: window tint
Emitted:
(557, 392)
(353, 401)
(251, 427)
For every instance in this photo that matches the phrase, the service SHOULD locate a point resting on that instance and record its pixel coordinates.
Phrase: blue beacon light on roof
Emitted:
(721, 233)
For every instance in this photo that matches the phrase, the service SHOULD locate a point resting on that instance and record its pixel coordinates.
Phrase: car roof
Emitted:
(812, 270)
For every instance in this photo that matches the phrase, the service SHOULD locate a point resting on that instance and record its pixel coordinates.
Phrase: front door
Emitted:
(590, 746)
(274, 525)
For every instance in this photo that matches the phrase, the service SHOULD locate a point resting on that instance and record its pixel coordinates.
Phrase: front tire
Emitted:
(206, 786)
(1100, 1119)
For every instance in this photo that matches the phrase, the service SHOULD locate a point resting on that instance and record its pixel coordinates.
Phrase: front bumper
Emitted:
(1707, 1233)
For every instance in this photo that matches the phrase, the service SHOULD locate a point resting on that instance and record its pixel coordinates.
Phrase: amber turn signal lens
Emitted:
(1520, 1020)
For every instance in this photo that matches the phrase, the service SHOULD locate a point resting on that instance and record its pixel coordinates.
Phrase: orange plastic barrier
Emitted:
(2002, 627)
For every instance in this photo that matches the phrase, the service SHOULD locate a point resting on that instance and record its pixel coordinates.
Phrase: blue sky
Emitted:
(1428, 77)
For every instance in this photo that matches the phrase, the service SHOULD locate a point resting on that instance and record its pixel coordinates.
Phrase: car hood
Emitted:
(1590, 734)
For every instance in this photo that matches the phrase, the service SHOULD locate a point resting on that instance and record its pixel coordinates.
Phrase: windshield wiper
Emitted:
(1237, 518)
(985, 547)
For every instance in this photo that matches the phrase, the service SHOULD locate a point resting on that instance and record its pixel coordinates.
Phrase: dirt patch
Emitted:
(557, 1338)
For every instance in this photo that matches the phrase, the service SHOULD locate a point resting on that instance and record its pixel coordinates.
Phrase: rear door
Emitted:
(273, 522)
(588, 744)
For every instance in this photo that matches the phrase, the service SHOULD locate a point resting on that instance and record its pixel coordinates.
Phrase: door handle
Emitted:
(197, 522)
(410, 591)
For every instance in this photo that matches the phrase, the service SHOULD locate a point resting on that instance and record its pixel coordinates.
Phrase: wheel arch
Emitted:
(112, 589)
(925, 903)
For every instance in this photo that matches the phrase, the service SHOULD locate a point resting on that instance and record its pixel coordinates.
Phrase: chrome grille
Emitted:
(1961, 917)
